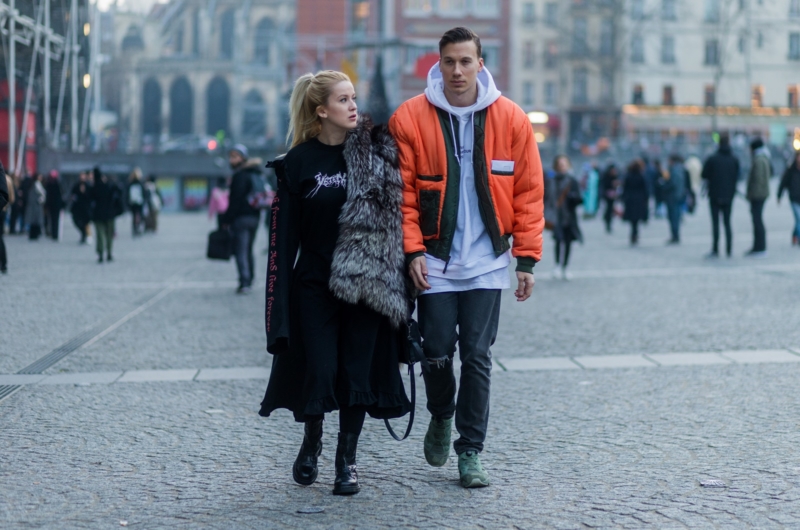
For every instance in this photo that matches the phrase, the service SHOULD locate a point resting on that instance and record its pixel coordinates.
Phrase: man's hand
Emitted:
(418, 269)
(525, 286)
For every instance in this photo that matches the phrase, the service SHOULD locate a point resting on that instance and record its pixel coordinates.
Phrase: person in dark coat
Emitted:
(80, 202)
(562, 196)
(240, 216)
(757, 194)
(720, 173)
(53, 205)
(790, 182)
(636, 198)
(335, 314)
(106, 205)
(609, 184)
(6, 197)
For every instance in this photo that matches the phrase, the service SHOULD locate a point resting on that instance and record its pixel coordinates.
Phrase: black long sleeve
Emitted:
(3, 189)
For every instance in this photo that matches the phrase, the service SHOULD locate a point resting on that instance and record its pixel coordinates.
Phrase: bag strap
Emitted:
(413, 406)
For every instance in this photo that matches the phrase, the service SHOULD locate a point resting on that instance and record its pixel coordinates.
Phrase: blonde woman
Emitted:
(136, 196)
(333, 314)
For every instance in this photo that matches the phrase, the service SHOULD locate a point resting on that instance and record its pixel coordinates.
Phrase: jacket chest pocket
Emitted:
(429, 212)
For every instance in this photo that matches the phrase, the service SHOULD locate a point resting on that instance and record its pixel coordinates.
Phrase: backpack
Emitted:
(261, 194)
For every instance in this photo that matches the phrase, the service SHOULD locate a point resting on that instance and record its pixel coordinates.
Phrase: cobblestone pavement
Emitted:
(608, 445)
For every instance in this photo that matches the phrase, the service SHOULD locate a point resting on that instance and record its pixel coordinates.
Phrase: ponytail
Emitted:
(310, 92)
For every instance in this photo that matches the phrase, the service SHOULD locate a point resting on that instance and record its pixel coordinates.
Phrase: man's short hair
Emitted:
(457, 35)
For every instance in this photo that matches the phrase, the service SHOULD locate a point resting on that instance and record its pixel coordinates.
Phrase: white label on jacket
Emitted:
(502, 166)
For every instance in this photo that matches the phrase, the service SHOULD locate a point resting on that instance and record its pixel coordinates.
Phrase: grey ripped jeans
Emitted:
(476, 314)
(244, 235)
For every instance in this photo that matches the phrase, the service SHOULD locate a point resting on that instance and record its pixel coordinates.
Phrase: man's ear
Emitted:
(480, 64)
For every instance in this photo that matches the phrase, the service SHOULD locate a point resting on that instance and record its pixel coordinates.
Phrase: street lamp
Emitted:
(87, 80)
(539, 118)
(86, 29)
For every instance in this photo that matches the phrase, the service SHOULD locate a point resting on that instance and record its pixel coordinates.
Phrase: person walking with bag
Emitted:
(334, 315)
(790, 182)
(80, 205)
(562, 196)
(757, 195)
(472, 181)
(636, 198)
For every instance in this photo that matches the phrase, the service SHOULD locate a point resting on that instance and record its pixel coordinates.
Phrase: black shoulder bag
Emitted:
(411, 351)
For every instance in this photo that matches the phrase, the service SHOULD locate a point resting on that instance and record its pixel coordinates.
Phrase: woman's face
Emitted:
(562, 166)
(341, 109)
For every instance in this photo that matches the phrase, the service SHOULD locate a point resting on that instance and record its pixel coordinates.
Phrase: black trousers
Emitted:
(53, 219)
(608, 214)
(3, 257)
(723, 209)
(244, 235)
(759, 231)
(567, 246)
(469, 318)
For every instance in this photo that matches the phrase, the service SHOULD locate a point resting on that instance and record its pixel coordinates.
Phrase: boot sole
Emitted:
(474, 482)
(346, 490)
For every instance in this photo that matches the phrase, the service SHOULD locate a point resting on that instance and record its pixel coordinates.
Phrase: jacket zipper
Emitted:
(446, 263)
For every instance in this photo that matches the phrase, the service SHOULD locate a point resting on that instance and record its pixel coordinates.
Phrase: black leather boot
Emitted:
(305, 469)
(346, 482)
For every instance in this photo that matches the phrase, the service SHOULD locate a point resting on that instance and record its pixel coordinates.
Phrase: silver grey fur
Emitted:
(368, 263)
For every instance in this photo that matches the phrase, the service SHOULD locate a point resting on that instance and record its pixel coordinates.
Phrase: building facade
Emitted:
(195, 73)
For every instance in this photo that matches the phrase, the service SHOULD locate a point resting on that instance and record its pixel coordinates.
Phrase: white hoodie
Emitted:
(473, 263)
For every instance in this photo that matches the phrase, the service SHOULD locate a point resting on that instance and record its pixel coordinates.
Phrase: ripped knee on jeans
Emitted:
(440, 362)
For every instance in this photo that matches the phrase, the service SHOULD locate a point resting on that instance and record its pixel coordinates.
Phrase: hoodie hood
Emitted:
(488, 92)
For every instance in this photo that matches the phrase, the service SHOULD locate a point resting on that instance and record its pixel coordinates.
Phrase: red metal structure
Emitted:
(29, 160)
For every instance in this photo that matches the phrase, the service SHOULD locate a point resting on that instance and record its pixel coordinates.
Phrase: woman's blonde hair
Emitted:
(310, 92)
(136, 174)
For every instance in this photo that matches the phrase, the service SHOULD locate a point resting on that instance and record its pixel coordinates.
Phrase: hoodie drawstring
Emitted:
(456, 143)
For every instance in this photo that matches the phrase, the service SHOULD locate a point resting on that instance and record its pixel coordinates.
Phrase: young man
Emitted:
(472, 180)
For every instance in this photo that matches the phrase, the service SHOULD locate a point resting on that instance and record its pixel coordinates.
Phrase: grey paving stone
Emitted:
(92, 378)
(614, 361)
(762, 356)
(687, 359)
(148, 376)
(213, 374)
(546, 363)
(20, 379)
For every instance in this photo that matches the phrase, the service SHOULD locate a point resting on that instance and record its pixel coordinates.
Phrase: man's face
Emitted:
(460, 65)
(235, 158)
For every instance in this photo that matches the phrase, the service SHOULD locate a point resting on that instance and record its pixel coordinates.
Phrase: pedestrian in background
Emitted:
(562, 196)
(591, 187)
(6, 198)
(16, 219)
(609, 186)
(218, 203)
(636, 197)
(757, 194)
(136, 199)
(154, 202)
(790, 182)
(105, 198)
(240, 216)
(675, 196)
(54, 203)
(35, 197)
(721, 173)
(80, 205)
(335, 314)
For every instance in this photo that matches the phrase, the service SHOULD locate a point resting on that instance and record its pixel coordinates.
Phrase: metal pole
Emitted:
(46, 73)
(29, 91)
(62, 89)
(12, 86)
(73, 102)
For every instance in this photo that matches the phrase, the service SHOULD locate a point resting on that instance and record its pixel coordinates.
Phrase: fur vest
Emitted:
(368, 262)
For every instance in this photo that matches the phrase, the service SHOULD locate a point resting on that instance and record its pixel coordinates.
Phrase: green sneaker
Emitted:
(437, 442)
(471, 470)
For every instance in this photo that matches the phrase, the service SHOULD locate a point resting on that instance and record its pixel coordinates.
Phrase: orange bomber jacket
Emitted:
(508, 179)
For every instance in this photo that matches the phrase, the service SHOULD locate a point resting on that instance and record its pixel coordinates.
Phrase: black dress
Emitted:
(328, 354)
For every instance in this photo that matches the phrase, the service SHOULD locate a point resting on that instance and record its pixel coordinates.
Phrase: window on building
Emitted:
(794, 96)
(579, 30)
(757, 97)
(417, 7)
(529, 12)
(491, 57)
(711, 11)
(551, 13)
(196, 31)
(487, 8)
(712, 52)
(218, 98)
(637, 9)
(580, 93)
(551, 54)
(607, 37)
(667, 95)
(760, 40)
(254, 117)
(550, 93)
(668, 10)
(742, 46)
(226, 30)
(637, 49)
(710, 96)
(151, 108)
(265, 36)
(668, 49)
(527, 93)
(638, 94)
(742, 5)
(794, 8)
(181, 109)
(794, 46)
(607, 86)
(528, 55)
(179, 39)
(359, 16)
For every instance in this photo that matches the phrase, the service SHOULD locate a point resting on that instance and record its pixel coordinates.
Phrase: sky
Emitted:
(141, 6)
